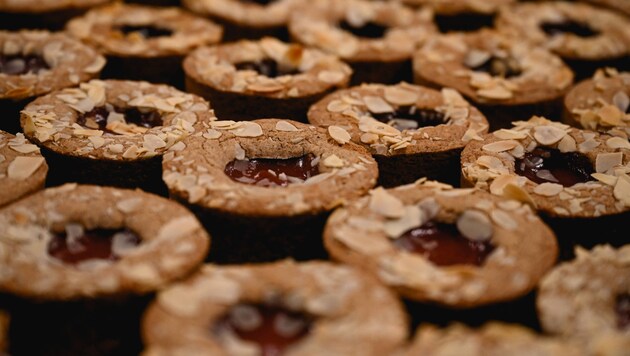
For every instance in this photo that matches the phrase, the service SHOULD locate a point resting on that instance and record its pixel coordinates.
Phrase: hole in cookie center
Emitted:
(622, 308)
(444, 245)
(19, 65)
(146, 31)
(76, 245)
(547, 165)
(463, 22)
(273, 328)
(579, 29)
(271, 172)
(267, 67)
(367, 30)
(500, 67)
(410, 118)
(120, 121)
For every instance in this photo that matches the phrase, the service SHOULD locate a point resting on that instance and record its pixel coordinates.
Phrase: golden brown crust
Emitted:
(354, 315)
(245, 13)
(361, 235)
(40, 6)
(173, 243)
(621, 5)
(22, 167)
(461, 6)
(196, 174)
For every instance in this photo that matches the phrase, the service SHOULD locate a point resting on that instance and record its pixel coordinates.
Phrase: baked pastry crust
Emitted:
(245, 13)
(461, 6)
(39, 6)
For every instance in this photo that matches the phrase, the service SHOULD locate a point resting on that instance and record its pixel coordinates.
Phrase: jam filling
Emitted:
(273, 328)
(270, 172)
(463, 22)
(77, 245)
(500, 67)
(622, 307)
(267, 67)
(546, 165)
(146, 31)
(19, 65)
(368, 30)
(97, 118)
(410, 118)
(569, 26)
(444, 245)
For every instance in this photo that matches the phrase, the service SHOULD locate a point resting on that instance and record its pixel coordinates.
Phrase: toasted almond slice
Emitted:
(500, 146)
(475, 58)
(339, 134)
(490, 162)
(605, 178)
(503, 219)
(548, 135)
(333, 161)
(377, 105)
(398, 96)
(385, 204)
(337, 106)
(606, 161)
(286, 126)
(621, 101)
(548, 189)
(567, 144)
(506, 134)
(475, 225)
(498, 93)
(23, 167)
(618, 142)
(413, 217)
(248, 129)
(516, 192)
(622, 191)
(330, 77)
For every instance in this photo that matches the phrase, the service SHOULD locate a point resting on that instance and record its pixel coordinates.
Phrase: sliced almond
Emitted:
(337, 106)
(622, 191)
(248, 129)
(500, 146)
(567, 144)
(399, 96)
(265, 88)
(506, 134)
(498, 93)
(618, 142)
(377, 105)
(605, 161)
(333, 161)
(605, 178)
(503, 219)
(516, 192)
(475, 225)
(548, 135)
(331, 77)
(286, 126)
(412, 217)
(385, 204)
(548, 189)
(490, 162)
(476, 58)
(339, 134)
(23, 167)
(621, 101)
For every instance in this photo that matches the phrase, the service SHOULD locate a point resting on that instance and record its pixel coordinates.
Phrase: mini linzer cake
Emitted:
(601, 103)
(82, 260)
(34, 63)
(284, 308)
(49, 14)
(507, 80)
(264, 188)
(143, 42)
(376, 38)
(586, 37)
(267, 78)
(22, 168)
(492, 339)
(113, 132)
(411, 131)
(587, 300)
(459, 248)
(578, 180)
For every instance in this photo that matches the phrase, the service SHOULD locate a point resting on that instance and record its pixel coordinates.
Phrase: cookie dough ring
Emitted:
(507, 80)
(45, 14)
(61, 62)
(68, 125)
(578, 299)
(261, 223)
(143, 42)
(601, 103)
(289, 78)
(444, 122)
(377, 39)
(345, 307)
(364, 234)
(22, 168)
(586, 37)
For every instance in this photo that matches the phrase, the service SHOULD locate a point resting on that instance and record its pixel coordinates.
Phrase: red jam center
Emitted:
(146, 31)
(267, 67)
(500, 67)
(274, 329)
(97, 118)
(546, 165)
(410, 118)
(569, 26)
(19, 65)
(463, 22)
(368, 30)
(622, 307)
(443, 245)
(268, 172)
(76, 245)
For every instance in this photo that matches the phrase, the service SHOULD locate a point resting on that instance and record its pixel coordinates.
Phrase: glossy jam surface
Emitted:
(572, 27)
(622, 308)
(463, 22)
(410, 118)
(146, 31)
(273, 328)
(500, 67)
(267, 172)
(267, 67)
(368, 30)
(443, 245)
(19, 65)
(546, 165)
(77, 245)
(97, 118)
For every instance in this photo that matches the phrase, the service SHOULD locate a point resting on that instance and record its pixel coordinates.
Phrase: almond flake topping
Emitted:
(621, 101)
(330, 77)
(333, 161)
(567, 144)
(377, 105)
(339, 134)
(548, 135)
(605, 178)
(385, 204)
(413, 217)
(622, 190)
(506, 134)
(500, 146)
(23, 167)
(248, 129)
(475, 225)
(618, 142)
(548, 189)
(605, 161)
(286, 126)
(498, 93)
(399, 96)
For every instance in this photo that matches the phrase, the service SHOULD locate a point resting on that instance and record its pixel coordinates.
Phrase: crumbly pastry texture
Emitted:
(51, 120)
(489, 165)
(525, 19)
(577, 299)
(362, 234)
(246, 13)
(22, 167)
(70, 62)
(38, 6)
(449, 61)
(318, 72)
(461, 6)
(196, 173)
(407, 29)
(350, 110)
(353, 314)
(100, 29)
(172, 244)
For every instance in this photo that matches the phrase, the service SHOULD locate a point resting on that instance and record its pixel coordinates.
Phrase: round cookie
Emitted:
(44, 14)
